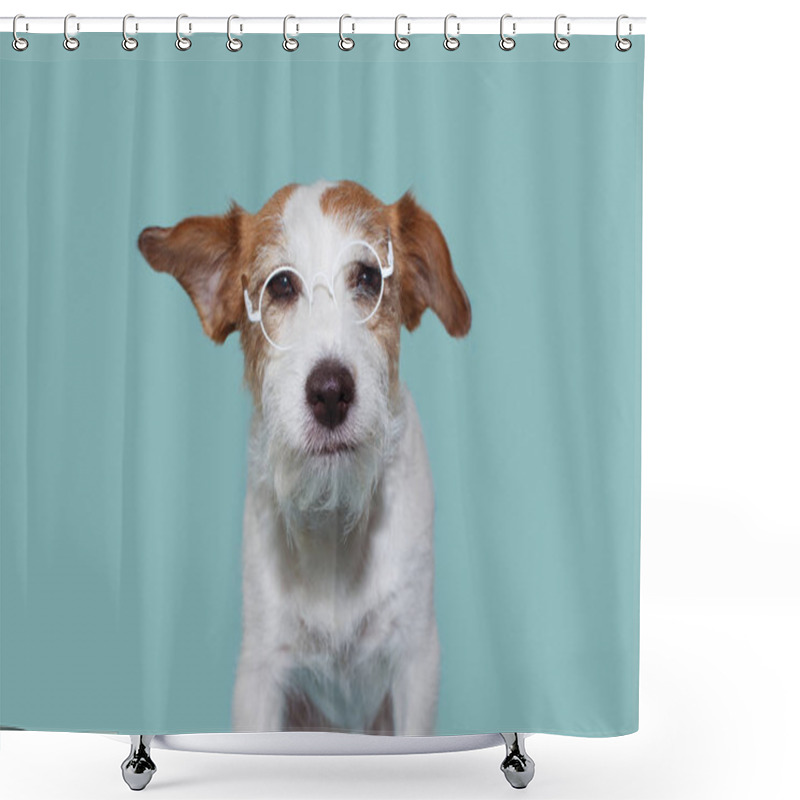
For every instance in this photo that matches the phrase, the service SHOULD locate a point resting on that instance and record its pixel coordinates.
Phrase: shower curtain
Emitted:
(320, 385)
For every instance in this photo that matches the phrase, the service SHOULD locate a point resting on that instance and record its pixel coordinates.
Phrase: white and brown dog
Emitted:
(339, 629)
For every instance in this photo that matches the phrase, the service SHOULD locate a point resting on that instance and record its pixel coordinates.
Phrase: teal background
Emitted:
(123, 429)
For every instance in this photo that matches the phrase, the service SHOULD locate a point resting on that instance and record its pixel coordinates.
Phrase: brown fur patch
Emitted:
(356, 207)
(203, 254)
(427, 277)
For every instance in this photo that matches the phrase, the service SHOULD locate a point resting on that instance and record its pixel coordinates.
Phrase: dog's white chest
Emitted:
(347, 683)
(332, 620)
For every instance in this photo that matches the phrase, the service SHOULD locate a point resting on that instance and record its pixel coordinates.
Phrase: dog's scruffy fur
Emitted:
(339, 629)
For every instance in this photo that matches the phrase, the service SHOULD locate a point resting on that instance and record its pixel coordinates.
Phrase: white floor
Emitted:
(719, 704)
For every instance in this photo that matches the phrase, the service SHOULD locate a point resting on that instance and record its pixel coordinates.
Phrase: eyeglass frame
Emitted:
(255, 315)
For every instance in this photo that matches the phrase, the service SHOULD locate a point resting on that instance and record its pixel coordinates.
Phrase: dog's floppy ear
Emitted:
(202, 253)
(427, 279)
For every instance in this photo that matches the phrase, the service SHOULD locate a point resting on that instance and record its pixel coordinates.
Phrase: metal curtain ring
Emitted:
(181, 42)
(401, 42)
(128, 42)
(345, 42)
(18, 43)
(70, 42)
(451, 42)
(233, 44)
(507, 42)
(623, 45)
(289, 44)
(561, 43)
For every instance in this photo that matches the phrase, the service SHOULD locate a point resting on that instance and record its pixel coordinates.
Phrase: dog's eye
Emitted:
(368, 279)
(282, 286)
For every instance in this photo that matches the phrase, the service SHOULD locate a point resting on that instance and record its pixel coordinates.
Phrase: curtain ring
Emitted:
(623, 45)
(345, 42)
(507, 42)
(128, 42)
(289, 44)
(18, 43)
(233, 44)
(181, 42)
(561, 43)
(401, 42)
(451, 42)
(70, 42)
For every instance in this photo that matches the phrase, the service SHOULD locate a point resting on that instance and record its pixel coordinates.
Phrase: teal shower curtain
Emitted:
(125, 431)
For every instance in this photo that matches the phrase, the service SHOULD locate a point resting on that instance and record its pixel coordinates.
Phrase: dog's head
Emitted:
(318, 283)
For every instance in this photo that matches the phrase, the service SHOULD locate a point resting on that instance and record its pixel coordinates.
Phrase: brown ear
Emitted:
(202, 253)
(427, 279)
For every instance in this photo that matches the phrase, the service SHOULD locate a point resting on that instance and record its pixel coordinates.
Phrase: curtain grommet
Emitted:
(233, 44)
(507, 42)
(182, 42)
(401, 43)
(290, 44)
(451, 43)
(17, 42)
(561, 43)
(71, 43)
(345, 42)
(129, 43)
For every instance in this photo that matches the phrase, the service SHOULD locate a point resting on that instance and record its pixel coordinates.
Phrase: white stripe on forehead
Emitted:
(304, 202)
(311, 237)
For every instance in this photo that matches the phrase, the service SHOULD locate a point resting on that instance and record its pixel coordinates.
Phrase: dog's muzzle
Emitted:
(330, 390)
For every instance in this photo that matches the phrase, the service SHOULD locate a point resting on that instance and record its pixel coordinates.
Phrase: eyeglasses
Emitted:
(355, 282)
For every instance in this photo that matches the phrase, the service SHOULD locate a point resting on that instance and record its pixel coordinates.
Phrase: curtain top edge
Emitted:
(322, 47)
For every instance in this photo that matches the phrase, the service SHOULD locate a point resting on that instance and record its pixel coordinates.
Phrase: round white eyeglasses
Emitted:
(356, 285)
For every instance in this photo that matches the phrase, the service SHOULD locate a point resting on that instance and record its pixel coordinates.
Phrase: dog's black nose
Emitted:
(330, 390)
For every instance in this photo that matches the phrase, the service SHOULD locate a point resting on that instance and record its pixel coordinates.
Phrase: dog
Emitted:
(338, 625)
